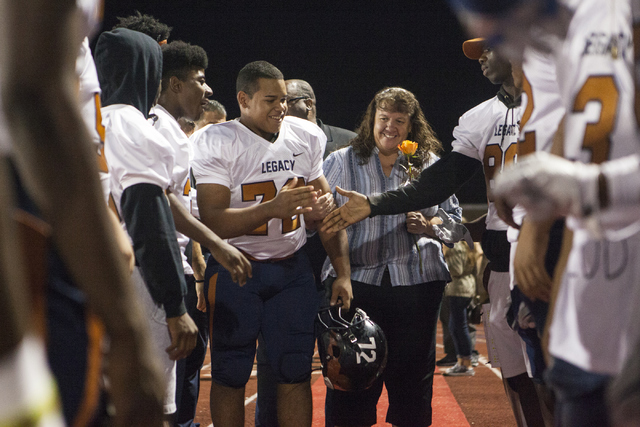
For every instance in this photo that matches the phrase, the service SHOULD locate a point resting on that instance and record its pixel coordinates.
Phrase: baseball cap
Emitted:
(473, 48)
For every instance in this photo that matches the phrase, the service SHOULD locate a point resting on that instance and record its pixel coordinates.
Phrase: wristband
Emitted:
(199, 281)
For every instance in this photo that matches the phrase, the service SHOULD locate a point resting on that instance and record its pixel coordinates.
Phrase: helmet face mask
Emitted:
(353, 354)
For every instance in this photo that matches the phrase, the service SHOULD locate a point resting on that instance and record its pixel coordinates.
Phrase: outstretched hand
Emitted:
(355, 210)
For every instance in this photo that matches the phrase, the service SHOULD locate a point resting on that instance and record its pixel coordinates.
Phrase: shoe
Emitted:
(459, 371)
(447, 361)
(474, 359)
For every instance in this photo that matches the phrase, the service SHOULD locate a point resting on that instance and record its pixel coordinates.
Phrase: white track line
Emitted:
(485, 362)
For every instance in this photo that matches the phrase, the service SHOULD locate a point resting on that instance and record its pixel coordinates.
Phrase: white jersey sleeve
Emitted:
(135, 151)
(180, 184)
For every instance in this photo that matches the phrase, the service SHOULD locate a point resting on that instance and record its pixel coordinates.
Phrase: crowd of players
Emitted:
(562, 292)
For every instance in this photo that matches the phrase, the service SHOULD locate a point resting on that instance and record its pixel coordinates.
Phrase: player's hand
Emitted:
(136, 382)
(355, 210)
(233, 260)
(418, 224)
(549, 186)
(341, 288)
(321, 207)
(291, 201)
(530, 273)
(183, 334)
(201, 304)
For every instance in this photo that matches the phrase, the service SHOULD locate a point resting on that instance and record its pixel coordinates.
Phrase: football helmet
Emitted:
(353, 354)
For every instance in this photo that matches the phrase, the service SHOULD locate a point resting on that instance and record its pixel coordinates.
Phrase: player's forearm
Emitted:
(337, 247)
(229, 222)
(535, 233)
(188, 225)
(197, 263)
(435, 184)
(150, 225)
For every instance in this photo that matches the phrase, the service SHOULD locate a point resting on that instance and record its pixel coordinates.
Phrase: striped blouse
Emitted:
(383, 241)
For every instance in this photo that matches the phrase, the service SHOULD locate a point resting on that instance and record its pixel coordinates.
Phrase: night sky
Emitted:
(346, 50)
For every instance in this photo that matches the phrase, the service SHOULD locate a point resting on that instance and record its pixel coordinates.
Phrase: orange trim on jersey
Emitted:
(211, 297)
(102, 161)
(95, 333)
(99, 126)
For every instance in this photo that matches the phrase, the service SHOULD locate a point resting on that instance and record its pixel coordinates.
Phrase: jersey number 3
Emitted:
(268, 191)
(601, 89)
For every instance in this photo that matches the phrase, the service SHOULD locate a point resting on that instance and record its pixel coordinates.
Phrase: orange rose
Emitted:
(408, 148)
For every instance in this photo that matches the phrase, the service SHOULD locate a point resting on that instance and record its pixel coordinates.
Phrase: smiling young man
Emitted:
(256, 177)
(184, 94)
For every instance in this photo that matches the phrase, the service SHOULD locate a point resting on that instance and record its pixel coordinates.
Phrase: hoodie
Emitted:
(140, 160)
(129, 67)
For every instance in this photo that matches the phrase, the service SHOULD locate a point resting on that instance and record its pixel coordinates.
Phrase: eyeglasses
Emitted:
(297, 98)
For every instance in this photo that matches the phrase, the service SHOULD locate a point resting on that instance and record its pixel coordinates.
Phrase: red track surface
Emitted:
(457, 401)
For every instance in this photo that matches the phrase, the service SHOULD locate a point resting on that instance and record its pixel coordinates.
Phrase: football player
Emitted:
(255, 177)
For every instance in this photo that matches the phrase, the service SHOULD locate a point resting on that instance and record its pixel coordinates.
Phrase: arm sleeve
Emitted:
(150, 224)
(435, 184)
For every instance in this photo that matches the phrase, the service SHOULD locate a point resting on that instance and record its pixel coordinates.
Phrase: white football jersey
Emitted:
(489, 133)
(255, 169)
(193, 194)
(542, 112)
(591, 326)
(168, 126)
(135, 151)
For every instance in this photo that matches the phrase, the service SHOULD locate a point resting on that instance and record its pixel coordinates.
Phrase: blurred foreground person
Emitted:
(56, 161)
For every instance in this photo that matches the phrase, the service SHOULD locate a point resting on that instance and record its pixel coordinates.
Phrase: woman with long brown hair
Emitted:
(398, 272)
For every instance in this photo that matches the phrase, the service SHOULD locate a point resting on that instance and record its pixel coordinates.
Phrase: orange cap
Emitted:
(473, 48)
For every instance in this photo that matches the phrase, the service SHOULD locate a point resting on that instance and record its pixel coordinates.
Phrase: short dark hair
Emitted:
(247, 81)
(146, 24)
(214, 106)
(178, 58)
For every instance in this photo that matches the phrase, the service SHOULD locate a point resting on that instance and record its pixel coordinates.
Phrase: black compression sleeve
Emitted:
(435, 184)
(150, 224)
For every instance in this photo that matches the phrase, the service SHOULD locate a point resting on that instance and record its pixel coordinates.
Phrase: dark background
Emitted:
(346, 50)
